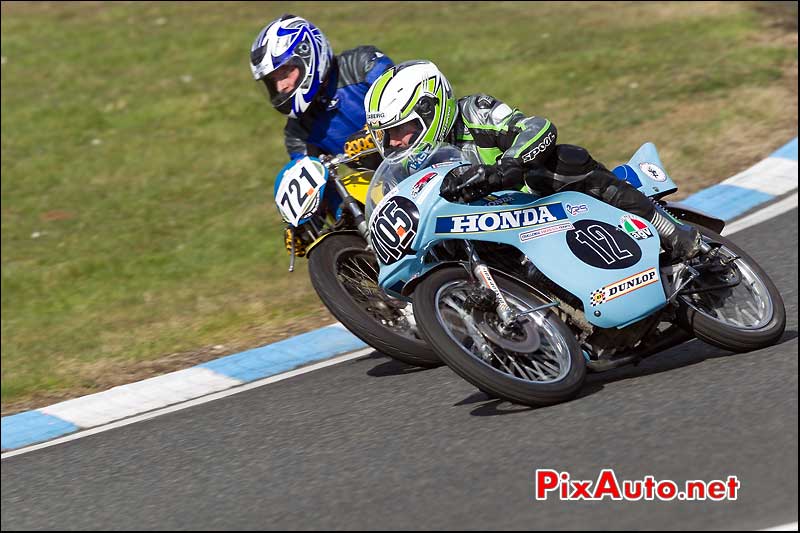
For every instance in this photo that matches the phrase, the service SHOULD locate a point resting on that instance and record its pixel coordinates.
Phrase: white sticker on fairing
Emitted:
(544, 232)
(298, 193)
(421, 183)
(654, 172)
(635, 227)
(623, 287)
(577, 209)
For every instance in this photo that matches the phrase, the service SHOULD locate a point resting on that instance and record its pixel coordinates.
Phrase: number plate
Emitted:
(602, 245)
(300, 188)
(393, 228)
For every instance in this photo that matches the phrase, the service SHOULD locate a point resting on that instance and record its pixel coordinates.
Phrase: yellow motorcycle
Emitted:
(324, 215)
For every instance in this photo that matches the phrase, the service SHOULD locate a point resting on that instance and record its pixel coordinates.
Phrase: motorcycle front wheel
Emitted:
(345, 276)
(538, 362)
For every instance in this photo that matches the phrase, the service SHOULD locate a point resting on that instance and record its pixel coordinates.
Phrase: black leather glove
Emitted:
(454, 183)
(479, 180)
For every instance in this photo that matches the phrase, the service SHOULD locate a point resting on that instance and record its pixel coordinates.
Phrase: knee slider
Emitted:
(611, 195)
(571, 160)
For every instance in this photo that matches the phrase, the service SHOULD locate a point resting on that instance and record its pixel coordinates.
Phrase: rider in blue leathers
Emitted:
(321, 93)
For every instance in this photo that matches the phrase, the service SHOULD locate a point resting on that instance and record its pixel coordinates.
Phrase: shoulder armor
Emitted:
(355, 63)
(482, 109)
(484, 101)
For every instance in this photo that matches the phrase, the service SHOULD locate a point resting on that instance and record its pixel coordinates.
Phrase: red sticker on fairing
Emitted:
(635, 228)
(423, 181)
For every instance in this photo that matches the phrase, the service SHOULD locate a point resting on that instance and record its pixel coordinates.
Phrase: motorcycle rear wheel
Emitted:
(747, 317)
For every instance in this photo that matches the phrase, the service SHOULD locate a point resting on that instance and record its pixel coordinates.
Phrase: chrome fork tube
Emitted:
(485, 278)
(351, 204)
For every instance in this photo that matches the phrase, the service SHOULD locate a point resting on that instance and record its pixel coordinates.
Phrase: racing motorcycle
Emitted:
(520, 295)
(325, 222)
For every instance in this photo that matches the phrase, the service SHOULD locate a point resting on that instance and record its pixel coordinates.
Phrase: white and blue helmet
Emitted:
(291, 41)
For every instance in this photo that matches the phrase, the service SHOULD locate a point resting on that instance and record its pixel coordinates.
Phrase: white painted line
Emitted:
(784, 527)
(767, 213)
(771, 211)
(192, 403)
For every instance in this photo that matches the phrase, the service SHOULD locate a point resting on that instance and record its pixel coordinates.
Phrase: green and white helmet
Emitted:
(410, 110)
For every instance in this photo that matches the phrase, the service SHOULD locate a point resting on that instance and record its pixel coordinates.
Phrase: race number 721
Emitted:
(298, 193)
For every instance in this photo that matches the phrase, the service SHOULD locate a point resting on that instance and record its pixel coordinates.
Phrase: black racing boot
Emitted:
(681, 241)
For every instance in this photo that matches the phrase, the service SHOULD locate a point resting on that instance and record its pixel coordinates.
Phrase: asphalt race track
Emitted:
(373, 444)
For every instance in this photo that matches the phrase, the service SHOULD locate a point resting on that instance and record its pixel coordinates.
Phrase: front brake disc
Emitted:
(523, 338)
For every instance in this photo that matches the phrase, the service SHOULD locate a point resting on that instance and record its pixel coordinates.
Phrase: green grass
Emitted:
(138, 156)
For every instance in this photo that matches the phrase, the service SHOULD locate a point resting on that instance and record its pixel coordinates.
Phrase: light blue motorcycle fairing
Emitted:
(646, 172)
(611, 298)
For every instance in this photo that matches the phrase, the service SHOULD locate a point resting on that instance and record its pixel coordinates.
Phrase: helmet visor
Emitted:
(283, 82)
(397, 140)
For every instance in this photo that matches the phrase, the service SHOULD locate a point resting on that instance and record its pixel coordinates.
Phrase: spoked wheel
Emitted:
(732, 304)
(357, 272)
(537, 361)
(345, 276)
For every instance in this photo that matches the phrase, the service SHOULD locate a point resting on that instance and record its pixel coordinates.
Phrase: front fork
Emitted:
(352, 205)
(483, 275)
(347, 199)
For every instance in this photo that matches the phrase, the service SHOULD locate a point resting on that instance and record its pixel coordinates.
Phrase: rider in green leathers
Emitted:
(411, 109)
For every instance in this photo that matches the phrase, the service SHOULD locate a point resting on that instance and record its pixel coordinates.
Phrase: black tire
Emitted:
(728, 336)
(322, 269)
(479, 373)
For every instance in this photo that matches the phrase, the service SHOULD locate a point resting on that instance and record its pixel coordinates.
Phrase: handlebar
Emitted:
(531, 172)
(341, 159)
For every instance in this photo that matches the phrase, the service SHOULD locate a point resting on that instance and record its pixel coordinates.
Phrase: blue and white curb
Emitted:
(760, 183)
(94, 410)
(33, 426)
(764, 181)
(285, 355)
